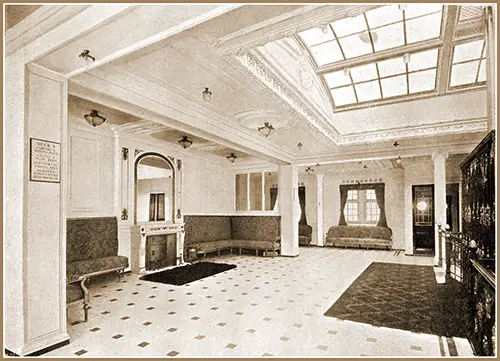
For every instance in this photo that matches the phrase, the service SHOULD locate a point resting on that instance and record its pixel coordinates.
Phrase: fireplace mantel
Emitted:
(141, 232)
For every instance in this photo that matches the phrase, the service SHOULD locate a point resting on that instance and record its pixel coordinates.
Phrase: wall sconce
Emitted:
(232, 157)
(309, 171)
(94, 119)
(207, 95)
(85, 54)
(266, 130)
(185, 142)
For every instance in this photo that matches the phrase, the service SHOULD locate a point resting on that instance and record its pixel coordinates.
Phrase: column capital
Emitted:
(320, 176)
(439, 155)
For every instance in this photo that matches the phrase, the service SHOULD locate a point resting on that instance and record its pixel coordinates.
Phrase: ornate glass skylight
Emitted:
(376, 30)
(468, 65)
(384, 79)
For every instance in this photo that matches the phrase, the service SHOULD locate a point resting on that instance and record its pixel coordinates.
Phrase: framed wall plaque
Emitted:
(45, 161)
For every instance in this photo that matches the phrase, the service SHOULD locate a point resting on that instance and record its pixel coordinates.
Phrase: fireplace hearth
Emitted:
(161, 251)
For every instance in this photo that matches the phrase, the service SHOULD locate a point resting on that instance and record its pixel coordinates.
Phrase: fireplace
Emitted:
(161, 251)
(155, 246)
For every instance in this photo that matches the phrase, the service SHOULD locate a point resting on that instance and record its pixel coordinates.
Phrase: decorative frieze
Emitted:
(365, 180)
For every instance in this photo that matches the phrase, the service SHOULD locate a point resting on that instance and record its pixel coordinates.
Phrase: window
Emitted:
(156, 207)
(361, 207)
(376, 30)
(468, 66)
(384, 79)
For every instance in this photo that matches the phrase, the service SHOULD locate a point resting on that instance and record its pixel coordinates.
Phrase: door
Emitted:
(423, 217)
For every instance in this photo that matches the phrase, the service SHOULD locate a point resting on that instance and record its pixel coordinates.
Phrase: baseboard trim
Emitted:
(49, 348)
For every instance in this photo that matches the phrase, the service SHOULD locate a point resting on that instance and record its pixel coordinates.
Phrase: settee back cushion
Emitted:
(305, 230)
(91, 238)
(257, 228)
(360, 232)
(206, 229)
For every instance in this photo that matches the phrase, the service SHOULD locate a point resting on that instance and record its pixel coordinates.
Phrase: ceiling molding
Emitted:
(253, 64)
(453, 127)
(37, 23)
(141, 127)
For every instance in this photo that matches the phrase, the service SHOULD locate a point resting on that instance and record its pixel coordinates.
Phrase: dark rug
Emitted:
(405, 297)
(185, 274)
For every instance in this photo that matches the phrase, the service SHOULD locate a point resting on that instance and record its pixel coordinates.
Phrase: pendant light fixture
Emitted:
(232, 157)
(309, 171)
(266, 130)
(185, 142)
(94, 119)
(207, 95)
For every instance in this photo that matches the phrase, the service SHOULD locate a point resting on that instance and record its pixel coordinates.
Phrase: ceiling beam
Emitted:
(305, 18)
(379, 56)
(444, 67)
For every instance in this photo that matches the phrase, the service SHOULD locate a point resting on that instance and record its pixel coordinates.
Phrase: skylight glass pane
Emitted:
(349, 25)
(326, 53)
(423, 60)
(388, 37)
(422, 81)
(316, 35)
(391, 67)
(414, 10)
(394, 86)
(464, 73)
(467, 51)
(343, 96)
(424, 28)
(368, 91)
(482, 71)
(364, 72)
(383, 16)
(353, 46)
(336, 79)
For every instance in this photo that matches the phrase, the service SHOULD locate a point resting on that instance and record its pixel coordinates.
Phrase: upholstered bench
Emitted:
(91, 250)
(369, 237)
(76, 296)
(305, 234)
(208, 234)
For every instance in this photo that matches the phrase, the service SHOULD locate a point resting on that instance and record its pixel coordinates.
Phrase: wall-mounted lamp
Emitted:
(232, 157)
(85, 54)
(185, 142)
(266, 130)
(207, 95)
(94, 119)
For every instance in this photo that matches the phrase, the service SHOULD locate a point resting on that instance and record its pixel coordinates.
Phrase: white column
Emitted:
(289, 209)
(408, 218)
(491, 76)
(116, 174)
(319, 209)
(439, 159)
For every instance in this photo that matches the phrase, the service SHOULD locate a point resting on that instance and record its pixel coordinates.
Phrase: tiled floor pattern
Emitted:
(264, 307)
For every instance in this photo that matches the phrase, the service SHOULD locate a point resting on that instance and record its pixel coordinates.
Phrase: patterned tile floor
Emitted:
(264, 307)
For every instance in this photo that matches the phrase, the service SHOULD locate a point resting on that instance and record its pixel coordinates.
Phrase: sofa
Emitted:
(369, 237)
(91, 250)
(305, 234)
(207, 234)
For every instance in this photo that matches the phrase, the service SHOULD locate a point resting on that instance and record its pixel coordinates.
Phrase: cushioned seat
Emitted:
(359, 237)
(74, 293)
(305, 234)
(77, 269)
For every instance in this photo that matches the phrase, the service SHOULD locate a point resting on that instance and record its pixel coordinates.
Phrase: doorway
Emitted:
(423, 219)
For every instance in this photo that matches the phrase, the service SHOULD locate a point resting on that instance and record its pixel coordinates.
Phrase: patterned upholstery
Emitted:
(89, 238)
(92, 246)
(216, 233)
(74, 293)
(305, 234)
(79, 268)
(359, 237)
(200, 229)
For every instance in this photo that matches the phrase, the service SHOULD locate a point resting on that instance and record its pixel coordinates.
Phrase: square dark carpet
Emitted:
(405, 297)
(189, 273)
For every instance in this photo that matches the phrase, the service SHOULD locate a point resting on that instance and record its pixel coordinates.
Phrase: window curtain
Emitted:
(274, 196)
(343, 201)
(380, 195)
(302, 202)
(152, 207)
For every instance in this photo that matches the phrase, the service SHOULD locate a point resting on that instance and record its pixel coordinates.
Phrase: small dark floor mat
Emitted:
(405, 297)
(186, 274)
